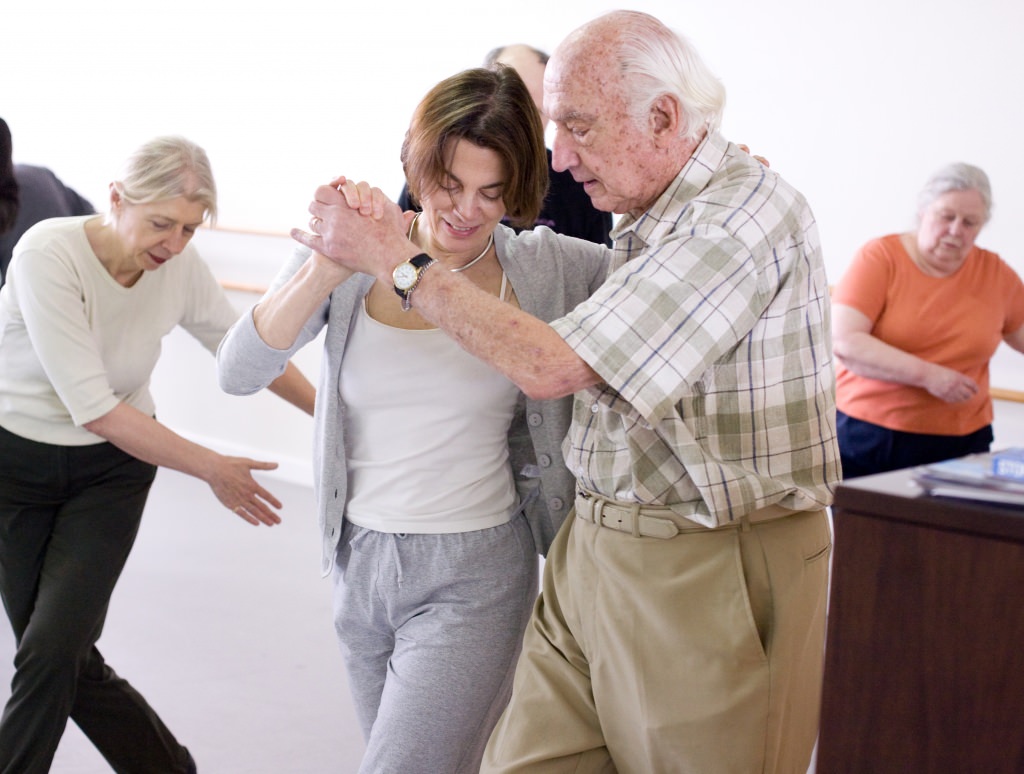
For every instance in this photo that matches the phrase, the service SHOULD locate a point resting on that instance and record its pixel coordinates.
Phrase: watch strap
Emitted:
(422, 262)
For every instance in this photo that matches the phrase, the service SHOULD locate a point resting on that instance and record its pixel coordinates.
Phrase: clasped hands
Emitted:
(357, 226)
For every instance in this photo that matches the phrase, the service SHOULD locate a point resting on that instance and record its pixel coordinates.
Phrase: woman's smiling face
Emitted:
(462, 210)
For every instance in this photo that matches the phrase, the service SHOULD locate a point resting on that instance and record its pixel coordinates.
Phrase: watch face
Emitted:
(404, 275)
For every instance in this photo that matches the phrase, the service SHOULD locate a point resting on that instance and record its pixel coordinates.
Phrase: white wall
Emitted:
(185, 386)
(855, 103)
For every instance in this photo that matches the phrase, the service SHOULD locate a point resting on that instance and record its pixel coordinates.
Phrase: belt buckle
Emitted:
(586, 512)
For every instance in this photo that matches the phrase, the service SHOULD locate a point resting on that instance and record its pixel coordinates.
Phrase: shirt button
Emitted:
(535, 420)
(544, 461)
(555, 504)
(594, 408)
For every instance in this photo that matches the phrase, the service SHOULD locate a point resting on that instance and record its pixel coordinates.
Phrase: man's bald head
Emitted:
(529, 62)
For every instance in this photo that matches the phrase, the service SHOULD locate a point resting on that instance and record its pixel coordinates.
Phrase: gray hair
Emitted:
(655, 60)
(166, 168)
(956, 177)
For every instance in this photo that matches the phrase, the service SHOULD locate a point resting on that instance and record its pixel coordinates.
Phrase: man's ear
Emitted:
(666, 119)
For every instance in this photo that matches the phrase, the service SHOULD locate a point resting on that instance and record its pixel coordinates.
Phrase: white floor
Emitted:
(226, 629)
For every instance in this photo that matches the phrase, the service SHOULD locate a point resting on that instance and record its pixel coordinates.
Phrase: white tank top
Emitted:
(427, 432)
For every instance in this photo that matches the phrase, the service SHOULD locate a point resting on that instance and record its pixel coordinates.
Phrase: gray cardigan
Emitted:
(550, 274)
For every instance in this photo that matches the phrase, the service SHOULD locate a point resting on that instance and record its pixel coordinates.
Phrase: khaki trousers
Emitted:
(699, 653)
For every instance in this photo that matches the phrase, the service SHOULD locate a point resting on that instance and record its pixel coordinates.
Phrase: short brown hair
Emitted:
(491, 108)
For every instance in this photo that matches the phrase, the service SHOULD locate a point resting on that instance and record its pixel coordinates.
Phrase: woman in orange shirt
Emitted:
(916, 319)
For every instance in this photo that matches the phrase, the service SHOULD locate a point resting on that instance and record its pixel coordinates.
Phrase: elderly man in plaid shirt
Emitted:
(681, 622)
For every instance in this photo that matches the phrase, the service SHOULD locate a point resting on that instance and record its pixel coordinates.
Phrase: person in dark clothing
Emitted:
(29, 194)
(8, 185)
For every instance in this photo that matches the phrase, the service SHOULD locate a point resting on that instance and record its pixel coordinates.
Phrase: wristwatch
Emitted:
(407, 276)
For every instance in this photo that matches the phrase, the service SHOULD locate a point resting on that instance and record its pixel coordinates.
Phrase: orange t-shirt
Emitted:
(956, 321)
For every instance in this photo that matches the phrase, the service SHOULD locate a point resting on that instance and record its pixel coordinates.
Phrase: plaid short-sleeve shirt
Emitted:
(713, 337)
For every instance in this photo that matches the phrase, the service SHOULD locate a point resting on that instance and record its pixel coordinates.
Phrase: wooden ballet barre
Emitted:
(999, 393)
(241, 287)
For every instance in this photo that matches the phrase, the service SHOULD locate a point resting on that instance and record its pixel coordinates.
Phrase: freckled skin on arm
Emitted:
(527, 350)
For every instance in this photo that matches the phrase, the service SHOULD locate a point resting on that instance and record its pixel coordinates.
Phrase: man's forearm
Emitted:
(527, 350)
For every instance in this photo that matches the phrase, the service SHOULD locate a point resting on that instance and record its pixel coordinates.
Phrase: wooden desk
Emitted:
(924, 662)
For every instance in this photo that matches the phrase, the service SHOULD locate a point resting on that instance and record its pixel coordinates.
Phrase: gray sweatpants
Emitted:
(430, 626)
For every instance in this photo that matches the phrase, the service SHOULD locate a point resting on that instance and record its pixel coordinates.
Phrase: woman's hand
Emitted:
(363, 197)
(949, 385)
(864, 354)
(231, 480)
(746, 150)
(358, 227)
(368, 200)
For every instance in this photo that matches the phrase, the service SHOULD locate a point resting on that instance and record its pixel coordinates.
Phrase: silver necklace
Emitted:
(490, 241)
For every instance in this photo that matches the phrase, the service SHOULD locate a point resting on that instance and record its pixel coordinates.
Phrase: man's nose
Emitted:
(562, 158)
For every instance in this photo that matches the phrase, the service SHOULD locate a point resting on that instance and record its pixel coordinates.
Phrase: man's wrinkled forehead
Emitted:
(575, 82)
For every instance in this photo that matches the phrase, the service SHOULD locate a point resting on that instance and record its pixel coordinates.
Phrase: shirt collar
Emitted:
(661, 218)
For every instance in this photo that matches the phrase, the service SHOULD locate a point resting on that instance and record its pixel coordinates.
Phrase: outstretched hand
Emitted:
(232, 482)
(357, 226)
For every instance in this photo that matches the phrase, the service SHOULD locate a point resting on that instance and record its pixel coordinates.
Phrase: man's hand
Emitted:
(358, 227)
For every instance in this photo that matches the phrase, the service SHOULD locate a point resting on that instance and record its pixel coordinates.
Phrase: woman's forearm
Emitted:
(143, 437)
(872, 358)
(229, 477)
(280, 316)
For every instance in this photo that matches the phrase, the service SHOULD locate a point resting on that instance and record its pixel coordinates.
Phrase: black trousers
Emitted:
(68, 519)
(866, 448)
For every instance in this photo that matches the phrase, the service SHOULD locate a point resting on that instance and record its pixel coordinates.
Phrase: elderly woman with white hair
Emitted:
(916, 319)
(87, 301)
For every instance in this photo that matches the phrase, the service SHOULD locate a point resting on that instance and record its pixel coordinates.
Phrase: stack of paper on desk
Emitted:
(974, 477)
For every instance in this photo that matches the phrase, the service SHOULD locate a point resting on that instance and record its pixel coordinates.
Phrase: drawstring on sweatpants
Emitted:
(392, 538)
